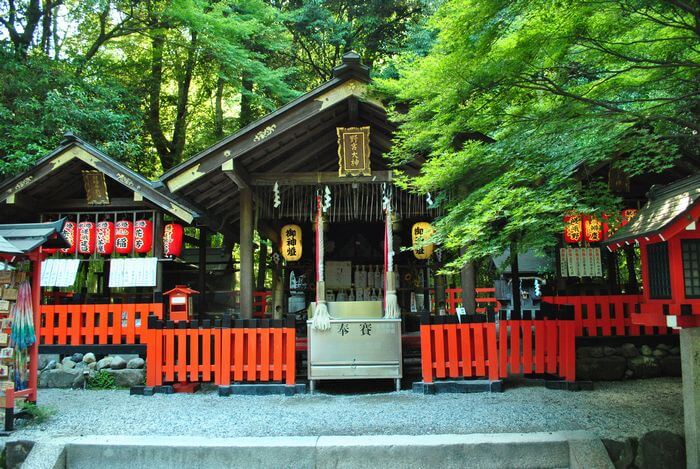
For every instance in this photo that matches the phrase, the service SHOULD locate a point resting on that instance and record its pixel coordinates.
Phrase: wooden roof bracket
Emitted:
(237, 173)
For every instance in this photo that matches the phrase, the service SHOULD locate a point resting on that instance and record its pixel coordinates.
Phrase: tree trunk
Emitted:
(22, 41)
(515, 277)
(183, 94)
(46, 27)
(246, 116)
(219, 109)
(154, 83)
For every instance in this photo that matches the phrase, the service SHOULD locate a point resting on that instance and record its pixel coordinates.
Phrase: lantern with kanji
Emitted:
(573, 228)
(86, 237)
(627, 215)
(69, 232)
(105, 238)
(143, 236)
(291, 247)
(172, 239)
(420, 233)
(594, 230)
(124, 237)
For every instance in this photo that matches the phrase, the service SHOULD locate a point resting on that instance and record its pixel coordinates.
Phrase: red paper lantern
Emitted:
(69, 232)
(143, 236)
(573, 229)
(172, 239)
(594, 230)
(86, 237)
(124, 237)
(105, 238)
(627, 215)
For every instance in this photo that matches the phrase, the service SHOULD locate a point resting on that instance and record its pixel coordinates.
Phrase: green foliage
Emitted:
(102, 380)
(39, 414)
(517, 99)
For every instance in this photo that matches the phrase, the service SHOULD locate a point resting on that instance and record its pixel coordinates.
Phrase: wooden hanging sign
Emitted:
(353, 151)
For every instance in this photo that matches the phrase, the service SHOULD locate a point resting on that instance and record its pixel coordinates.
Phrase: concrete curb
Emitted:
(458, 386)
(575, 449)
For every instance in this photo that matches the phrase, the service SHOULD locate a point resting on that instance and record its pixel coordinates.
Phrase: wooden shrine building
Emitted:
(267, 176)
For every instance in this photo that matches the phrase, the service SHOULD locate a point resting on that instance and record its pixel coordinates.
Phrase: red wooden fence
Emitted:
(183, 355)
(458, 351)
(606, 315)
(539, 346)
(261, 354)
(453, 298)
(88, 324)
(490, 350)
(220, 355)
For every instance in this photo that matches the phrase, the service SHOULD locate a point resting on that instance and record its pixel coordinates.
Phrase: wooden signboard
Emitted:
(95, 188)
(353, 151)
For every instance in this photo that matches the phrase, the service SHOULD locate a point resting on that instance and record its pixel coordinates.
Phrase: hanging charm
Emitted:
(429, 200)
(277, 201)
(326, 199)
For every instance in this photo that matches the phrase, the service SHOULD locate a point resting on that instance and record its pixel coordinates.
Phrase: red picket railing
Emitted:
(606, 315)
(89, 324)
(258, 354)
(459, 351)
(540, 346)
(495, 350)
(220, 355)
(183, 355)
(453, 298)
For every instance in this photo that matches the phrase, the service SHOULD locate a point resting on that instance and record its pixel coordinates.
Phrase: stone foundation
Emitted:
(628, 361)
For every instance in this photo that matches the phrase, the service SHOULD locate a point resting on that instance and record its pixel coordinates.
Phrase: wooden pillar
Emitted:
(202, 277)
(246, 247)
(262, 265)
(631, 273)
(277, 303)
(515, 276)
(468, 284)
(158, 254)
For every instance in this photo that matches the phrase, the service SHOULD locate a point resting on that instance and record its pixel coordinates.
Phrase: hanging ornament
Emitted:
(420, 233)
(291, 242)
(326, 199)
(573, 229)
(627, 215)
(172, 239)
(538, 291)
(124, 237)
(594, 230)
(429, 200)
(105, 238)
(69, 232)
(276, 258)
(86, 237)
(386, 196)
(277, 200)
(143, 236)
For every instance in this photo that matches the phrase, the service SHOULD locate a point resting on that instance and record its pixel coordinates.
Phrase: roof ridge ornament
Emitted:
(352, 67)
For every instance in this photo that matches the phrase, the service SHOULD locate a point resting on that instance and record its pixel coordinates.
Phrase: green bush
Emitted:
(102, 380)
(39, 414)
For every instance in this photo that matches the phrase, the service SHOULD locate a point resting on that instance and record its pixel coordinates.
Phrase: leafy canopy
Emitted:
(516, 96)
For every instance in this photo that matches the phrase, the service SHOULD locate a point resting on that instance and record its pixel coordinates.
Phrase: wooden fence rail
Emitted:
(495, 350)
(537, 346)
(452, 350)
(245, 351)
(605, 315)
(96, 324)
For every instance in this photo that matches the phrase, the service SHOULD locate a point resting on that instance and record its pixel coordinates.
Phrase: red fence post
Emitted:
(426, 352)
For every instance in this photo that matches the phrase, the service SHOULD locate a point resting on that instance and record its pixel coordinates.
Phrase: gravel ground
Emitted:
(612, 410)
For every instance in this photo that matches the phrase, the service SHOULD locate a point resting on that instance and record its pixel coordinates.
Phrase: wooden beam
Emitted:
(246, 253)
(114, 203)
(202, 277)
(238, 174)
(309, 177)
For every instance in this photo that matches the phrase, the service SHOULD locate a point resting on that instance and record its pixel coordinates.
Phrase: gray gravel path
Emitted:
(613, 410)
